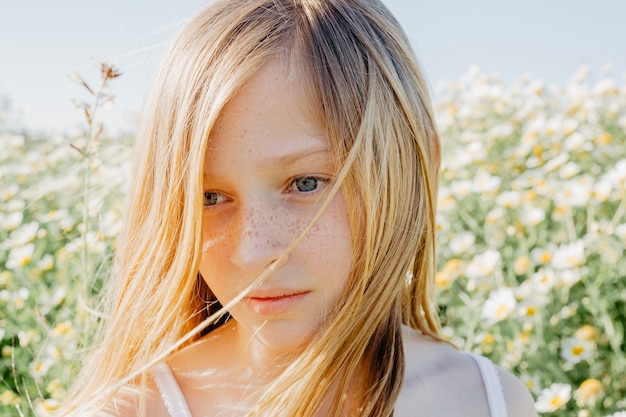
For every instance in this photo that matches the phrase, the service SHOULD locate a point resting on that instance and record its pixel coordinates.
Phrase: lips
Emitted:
(269, 303)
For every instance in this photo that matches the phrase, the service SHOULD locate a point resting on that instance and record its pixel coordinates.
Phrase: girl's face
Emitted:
(267, 172)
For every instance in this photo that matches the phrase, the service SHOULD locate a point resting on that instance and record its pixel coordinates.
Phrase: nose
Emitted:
(259, 237)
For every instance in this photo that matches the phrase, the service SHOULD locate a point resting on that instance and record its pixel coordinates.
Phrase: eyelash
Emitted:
(291, 189)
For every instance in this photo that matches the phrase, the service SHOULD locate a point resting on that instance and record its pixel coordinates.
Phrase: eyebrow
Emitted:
(283, 161)
(291, 158)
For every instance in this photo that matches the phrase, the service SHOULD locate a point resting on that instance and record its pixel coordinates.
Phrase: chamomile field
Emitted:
(531, 235)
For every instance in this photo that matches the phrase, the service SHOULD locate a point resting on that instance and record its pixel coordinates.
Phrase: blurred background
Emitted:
(42, 41)
(530, 99)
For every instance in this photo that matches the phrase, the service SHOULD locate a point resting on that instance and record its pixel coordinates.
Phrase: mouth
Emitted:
(269, 304)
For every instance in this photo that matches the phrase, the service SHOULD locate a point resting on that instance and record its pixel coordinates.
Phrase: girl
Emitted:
(279, 244)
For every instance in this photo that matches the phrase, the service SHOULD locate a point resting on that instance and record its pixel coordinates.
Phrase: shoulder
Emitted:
(449, 382)
(518, 399)
(439, 380)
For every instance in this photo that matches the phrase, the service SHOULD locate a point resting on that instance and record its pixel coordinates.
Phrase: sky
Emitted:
(42, 41)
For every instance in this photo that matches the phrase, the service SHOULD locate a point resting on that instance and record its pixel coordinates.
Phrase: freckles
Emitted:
(327, 235)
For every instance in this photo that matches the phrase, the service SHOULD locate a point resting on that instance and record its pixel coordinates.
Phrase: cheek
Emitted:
(212, 246)
(210, 243)
(213, 254)
(326, 251)
(330, 242)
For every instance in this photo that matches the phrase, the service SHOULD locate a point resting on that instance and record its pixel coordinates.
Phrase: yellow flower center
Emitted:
(557, 402)
(577, 350)
(501, 310)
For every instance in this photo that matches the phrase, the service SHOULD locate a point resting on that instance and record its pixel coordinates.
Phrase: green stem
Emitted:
(85, 219)
(539, 324)
(621, 210)
(598, 308)
(569, 224)
(88, 155)
(473, 322)
(591, 214)
(473, 225)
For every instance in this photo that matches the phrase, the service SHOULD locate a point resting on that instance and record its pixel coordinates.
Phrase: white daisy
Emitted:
(509, 199)
(499, 305)
(569, 255)
(553, 398)
(461, 243)
(485, 183)
(20, 256)
(532, 215)
(483, 265)
(544, 280)
(542, 256)
(574, 350)
(569, 277)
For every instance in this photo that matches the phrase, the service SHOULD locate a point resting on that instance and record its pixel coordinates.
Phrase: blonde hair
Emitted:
(371, 97)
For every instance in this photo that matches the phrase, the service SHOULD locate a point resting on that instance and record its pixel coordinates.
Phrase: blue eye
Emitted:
(212, 198)
(306, 184)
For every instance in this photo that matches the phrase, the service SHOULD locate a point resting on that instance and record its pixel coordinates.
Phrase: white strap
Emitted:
(493, 386)
(170, 391)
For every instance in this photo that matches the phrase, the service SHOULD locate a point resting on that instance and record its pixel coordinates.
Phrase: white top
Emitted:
(170, 390)
(177, 405)
(493, 387)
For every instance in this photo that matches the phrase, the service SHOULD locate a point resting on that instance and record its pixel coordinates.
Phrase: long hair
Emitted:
(370, 96)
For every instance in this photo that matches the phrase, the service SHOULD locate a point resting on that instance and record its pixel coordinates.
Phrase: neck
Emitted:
(266, 363)
(255, 354)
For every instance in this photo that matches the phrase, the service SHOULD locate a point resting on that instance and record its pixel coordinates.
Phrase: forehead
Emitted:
(269, 117)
